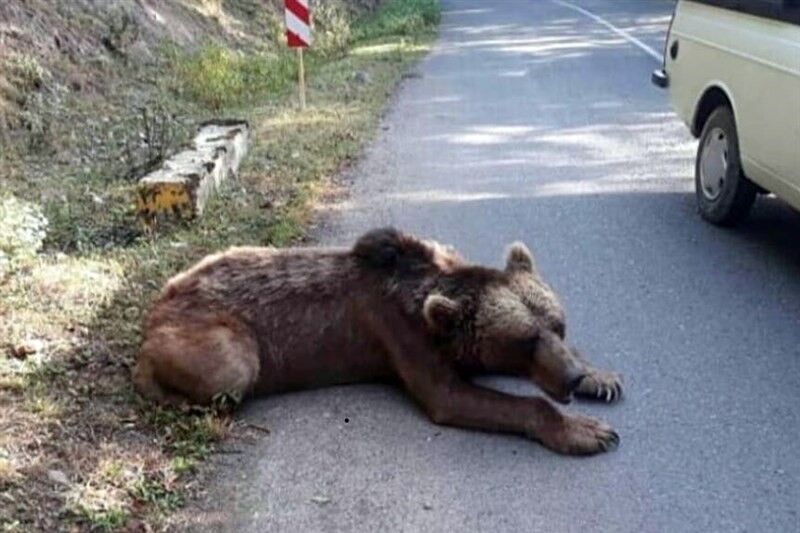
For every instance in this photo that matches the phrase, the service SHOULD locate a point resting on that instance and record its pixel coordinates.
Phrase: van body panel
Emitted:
(755, 61)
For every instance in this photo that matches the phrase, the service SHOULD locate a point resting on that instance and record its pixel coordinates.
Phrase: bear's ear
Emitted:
(441, 313)
(519, 259)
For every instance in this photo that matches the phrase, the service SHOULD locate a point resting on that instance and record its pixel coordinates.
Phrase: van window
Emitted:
(783, 10)
(791, 11)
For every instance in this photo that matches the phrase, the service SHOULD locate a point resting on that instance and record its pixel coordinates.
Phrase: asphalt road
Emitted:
(533, 121)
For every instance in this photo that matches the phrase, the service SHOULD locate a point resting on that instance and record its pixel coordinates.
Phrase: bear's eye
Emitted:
(527, 345)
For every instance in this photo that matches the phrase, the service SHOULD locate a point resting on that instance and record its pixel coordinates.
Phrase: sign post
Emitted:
(302, 78)
(298, 35)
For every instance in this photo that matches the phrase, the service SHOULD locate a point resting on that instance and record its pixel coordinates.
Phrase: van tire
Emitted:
(724, 195)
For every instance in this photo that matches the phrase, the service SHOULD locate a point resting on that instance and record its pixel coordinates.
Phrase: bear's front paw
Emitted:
(599, 385)
(579, 435)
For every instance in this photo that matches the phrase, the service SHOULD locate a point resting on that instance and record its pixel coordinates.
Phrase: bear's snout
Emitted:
(574, 381)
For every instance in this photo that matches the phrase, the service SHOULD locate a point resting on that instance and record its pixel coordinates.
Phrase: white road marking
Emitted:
(622, 33)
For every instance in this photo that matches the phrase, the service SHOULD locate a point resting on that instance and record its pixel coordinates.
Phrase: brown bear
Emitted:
(261, 320)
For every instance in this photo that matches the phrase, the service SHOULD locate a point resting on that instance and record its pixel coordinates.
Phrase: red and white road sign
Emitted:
(298, 29)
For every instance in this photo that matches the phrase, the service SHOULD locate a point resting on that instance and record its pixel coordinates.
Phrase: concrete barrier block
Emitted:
(185, 181)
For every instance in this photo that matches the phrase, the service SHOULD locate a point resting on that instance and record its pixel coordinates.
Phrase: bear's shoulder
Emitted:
(390, 249)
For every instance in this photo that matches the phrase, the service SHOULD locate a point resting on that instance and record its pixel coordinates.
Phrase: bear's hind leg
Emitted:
(197, 358)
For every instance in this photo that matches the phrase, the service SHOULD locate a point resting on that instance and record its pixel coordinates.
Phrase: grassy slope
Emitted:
(71, 316)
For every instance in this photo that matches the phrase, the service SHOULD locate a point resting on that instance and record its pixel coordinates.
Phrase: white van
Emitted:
(733, 72)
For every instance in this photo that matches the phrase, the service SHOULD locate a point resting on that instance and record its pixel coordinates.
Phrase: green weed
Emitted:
(157, 492)
(400, 17)
(103, 519)
(218, 77)
(26, 73)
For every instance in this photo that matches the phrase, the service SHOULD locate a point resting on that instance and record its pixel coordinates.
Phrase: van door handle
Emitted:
(674, 49)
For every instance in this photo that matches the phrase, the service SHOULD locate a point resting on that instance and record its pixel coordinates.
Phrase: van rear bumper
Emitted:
(660, 78)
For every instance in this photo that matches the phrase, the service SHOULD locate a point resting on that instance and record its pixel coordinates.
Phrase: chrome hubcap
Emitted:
(714, 164)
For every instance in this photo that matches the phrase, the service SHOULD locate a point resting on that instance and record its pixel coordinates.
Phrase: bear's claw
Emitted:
(603, 386)
(581, 435)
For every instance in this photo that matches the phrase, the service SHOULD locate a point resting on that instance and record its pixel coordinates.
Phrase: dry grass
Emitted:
(78, 448)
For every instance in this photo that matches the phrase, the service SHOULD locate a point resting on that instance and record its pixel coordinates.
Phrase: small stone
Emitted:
(26, 348)
(362, 77)
(57, 476)
(19, 352)
(427, 506)
(321, 500)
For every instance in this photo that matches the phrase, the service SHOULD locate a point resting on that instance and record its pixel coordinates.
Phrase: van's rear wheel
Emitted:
(724, 194)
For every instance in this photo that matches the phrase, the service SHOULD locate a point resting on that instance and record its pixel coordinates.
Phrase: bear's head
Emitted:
(507, 321)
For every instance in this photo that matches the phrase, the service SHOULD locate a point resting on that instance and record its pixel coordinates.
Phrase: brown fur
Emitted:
(260, 321)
